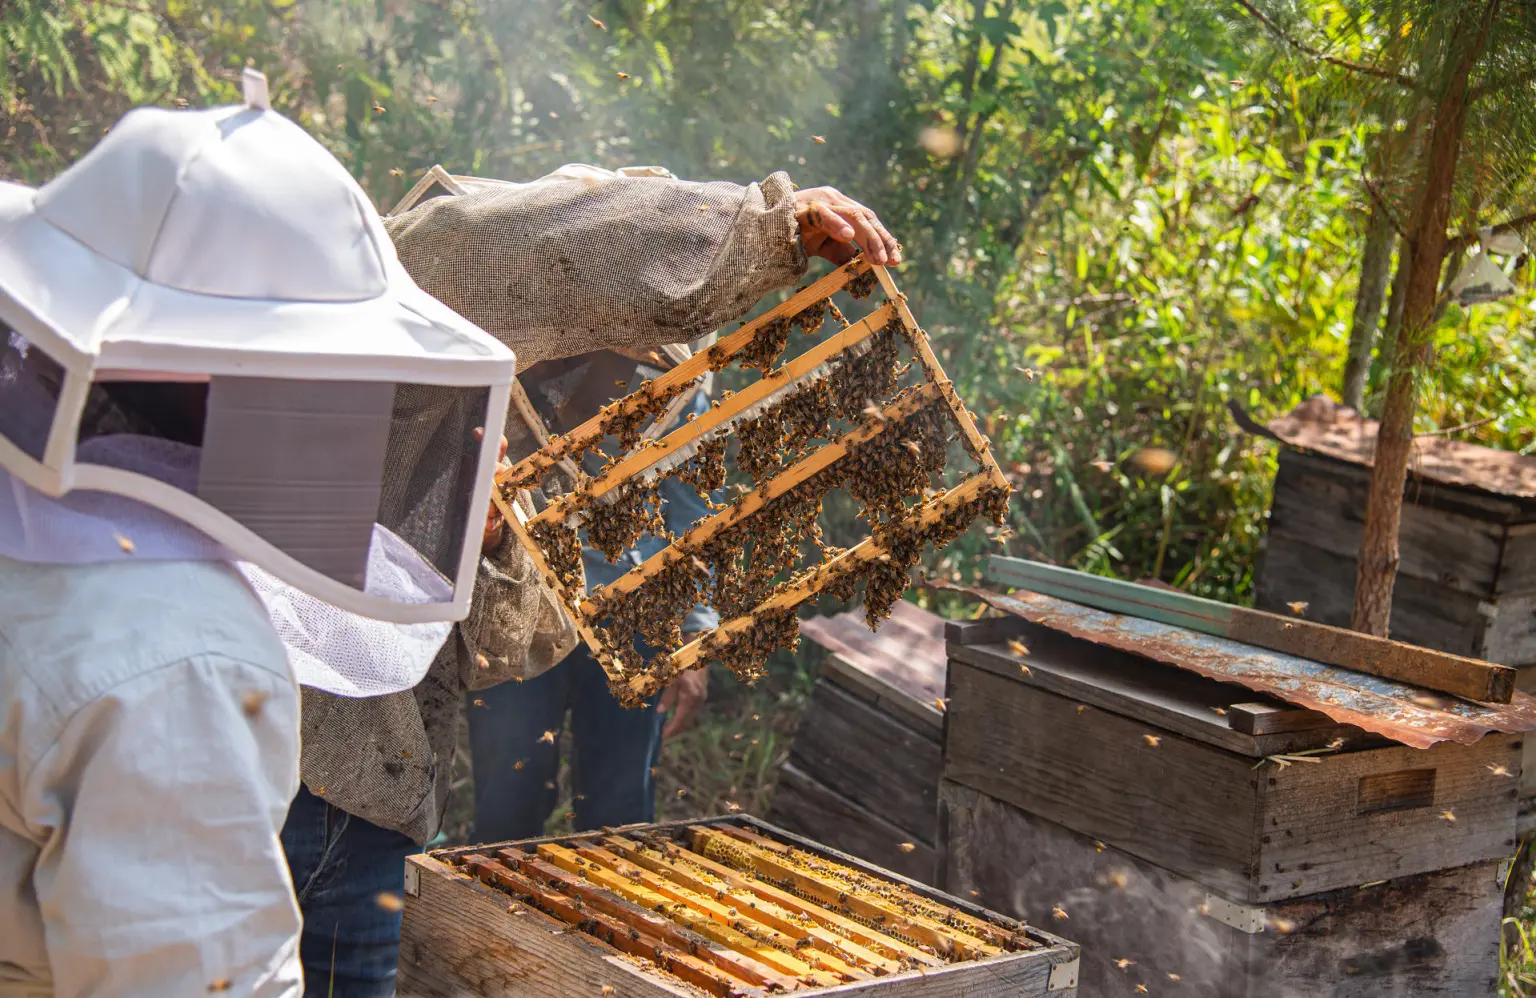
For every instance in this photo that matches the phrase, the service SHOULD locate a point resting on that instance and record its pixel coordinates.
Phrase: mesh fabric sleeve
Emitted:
(516, 628)
(566, 266)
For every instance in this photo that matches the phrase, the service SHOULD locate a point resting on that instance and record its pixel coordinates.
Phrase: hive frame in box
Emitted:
(986, 489)
(460, 932)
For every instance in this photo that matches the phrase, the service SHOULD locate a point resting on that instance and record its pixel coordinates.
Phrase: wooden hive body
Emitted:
(1142, 792)
(1467, 581)
(863, 772)
(468, 931)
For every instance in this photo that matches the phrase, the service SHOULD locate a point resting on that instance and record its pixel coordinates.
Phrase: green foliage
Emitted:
(1155, 208)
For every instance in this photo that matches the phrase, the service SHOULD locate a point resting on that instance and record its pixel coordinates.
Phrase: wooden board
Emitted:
(871, 759)
(899, 667)
(1432, 670)
(1207, 813)
(1517, 566)
(1433, 934)
(1454, 546)
(1169, 699)
(457, 940)
(1186, 804)
(1500, 629)
(462, 938)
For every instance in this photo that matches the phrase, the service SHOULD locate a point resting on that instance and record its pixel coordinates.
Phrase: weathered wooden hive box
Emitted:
(863, 772)
(729, 906)
(1467, 581)
(1141, 808)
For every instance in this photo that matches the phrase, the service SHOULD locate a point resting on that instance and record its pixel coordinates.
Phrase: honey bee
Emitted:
(907, 846)
(481, 662)
(819, 140)
(732, 807)
(1152, 740)
(389, 901)
(623, 76)
(1497, 770)
(1448, 815)
(431, 100)
(479, 702)
(378, 109)
(1141, 989)
(547, 738)
(222, 984)
(253, 701)
(1059, 913)
(397, 172)
(124, 543)
(1299, 607)
(942, 704)
(600, 26)
(1018, 647)
(519, 764)
(1122, 963)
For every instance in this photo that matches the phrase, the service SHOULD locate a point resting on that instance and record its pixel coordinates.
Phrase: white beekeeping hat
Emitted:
(219, 270)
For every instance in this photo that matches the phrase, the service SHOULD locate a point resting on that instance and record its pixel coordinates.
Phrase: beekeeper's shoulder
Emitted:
(72, 632)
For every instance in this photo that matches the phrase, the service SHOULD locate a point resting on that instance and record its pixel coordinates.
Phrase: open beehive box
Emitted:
(728, 906)
(865, 409)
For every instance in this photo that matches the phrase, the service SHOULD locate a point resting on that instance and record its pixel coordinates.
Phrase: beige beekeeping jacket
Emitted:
(148, 752)
(562, 266)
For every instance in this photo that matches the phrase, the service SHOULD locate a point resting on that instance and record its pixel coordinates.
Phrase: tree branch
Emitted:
(1381, 202)
(1447, 431)
(1468, 238)
(1493, 86)
(1353, 67)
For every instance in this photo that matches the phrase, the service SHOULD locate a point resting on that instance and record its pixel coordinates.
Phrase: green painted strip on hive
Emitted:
(1165, 606)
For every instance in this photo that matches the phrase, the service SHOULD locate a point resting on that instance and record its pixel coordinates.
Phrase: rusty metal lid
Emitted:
(1322, 426)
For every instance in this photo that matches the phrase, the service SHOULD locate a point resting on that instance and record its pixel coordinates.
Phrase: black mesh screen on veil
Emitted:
(30, 384)
(311, 466)
(429, 469)
(308, 466)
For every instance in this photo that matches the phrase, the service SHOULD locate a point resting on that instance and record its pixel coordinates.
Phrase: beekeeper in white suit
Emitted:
(237, 444)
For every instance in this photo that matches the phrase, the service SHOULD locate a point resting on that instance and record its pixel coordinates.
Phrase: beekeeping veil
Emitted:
(300, 402)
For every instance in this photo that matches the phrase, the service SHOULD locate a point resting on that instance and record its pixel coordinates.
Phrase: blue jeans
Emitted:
(615, 749)
(340, 865)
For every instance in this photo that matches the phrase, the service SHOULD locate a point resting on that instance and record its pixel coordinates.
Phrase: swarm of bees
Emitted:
(871, 414)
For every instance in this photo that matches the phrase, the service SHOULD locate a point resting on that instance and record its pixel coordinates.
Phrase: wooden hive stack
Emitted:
(1467, 580)
(866, 409)
(725, 907)
(862, 774)
(1203, 838)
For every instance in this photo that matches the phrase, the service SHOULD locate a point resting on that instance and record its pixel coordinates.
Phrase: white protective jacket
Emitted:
(148, 753)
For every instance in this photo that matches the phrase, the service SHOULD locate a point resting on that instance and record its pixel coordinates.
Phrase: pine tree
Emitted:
(1457, 78)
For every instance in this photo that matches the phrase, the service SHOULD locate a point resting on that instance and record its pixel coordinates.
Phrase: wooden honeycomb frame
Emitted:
(986, 490)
